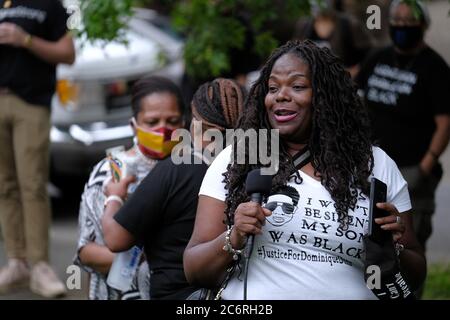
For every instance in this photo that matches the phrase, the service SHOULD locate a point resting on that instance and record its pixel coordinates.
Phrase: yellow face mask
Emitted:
(156, 143)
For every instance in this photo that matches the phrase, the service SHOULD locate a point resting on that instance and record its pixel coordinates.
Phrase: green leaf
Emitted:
(105, 20)
(265, 43)
(213, 28)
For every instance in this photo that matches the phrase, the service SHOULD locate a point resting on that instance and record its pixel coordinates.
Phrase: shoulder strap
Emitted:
(301, 158)
(224, 283)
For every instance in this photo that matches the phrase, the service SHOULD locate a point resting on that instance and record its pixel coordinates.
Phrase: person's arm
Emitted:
(205, 262)
(412, 258)
(96, 257)
(90, 255)
(116, 237)
(439, 142)
(54, 52)
(141, 216)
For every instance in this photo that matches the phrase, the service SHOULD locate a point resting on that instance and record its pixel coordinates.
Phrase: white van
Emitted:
(91, 108)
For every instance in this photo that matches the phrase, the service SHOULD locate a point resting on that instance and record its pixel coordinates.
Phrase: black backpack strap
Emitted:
(301, 158)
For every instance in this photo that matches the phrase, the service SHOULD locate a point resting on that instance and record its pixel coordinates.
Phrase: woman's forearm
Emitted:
(413, 265)
(97, 257)
(205, 264)
(116, 237)
(438, 144)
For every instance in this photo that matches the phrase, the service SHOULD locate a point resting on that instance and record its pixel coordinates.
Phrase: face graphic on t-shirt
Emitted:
(282, 206)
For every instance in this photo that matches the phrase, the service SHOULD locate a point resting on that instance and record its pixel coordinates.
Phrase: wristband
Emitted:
(114, 198)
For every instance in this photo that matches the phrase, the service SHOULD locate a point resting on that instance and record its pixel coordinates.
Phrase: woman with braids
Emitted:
(312, 247)
(157, 108)
(161, 212)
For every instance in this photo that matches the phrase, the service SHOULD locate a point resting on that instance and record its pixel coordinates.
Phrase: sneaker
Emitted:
(14, 275)
(45, 282)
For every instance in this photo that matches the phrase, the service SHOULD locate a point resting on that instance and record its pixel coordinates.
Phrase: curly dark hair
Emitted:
(339, 143)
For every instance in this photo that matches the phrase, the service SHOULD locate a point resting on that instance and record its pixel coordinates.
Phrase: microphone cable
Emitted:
(248, 252)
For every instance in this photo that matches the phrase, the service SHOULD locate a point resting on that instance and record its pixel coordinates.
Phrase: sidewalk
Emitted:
(63, 237)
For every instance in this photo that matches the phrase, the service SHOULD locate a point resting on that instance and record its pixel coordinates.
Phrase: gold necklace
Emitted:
(7, 4)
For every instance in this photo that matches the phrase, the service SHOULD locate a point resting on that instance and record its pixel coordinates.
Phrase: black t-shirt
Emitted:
(161, 215)
(28, 76)
(403, 94)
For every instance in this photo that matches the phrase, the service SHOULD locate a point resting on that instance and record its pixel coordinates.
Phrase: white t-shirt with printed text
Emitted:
(302, 252)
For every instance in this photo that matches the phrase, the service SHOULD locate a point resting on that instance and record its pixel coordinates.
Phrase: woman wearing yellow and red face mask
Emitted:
(157, 111)
(161, 212)
(156, 116)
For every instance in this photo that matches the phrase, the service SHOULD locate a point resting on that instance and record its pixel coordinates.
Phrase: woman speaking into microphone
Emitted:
(310, 230)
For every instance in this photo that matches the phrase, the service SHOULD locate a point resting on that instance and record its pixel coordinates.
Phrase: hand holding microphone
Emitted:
(249, 217)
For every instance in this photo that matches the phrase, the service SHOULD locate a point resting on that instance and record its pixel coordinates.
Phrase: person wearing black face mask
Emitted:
(407, 28)
(406, 37)
(406, 87)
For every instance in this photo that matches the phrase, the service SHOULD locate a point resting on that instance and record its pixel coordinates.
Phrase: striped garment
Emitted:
(90, 228)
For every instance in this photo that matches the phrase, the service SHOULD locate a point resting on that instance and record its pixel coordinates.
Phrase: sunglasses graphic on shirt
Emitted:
(286, 207)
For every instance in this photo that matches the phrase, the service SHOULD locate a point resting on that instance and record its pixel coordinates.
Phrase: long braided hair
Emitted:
(339, 143)
(220, 102)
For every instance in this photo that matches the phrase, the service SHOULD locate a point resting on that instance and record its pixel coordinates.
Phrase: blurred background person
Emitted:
(161, 212)
(157, 109)
(406, 87)
(33, 40)
(358, 10)
(344, 35)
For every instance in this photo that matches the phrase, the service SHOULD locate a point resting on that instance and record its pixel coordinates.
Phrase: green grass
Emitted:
(437, 285)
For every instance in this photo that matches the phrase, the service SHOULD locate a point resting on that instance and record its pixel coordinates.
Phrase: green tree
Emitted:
(105, 20)
(212, 27)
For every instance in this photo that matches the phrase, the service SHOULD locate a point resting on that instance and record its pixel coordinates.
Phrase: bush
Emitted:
(437, 285)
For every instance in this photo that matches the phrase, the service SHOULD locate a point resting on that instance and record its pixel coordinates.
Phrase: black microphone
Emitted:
(257, 186)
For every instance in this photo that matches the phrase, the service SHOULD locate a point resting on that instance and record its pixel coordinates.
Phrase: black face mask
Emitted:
(405, 37)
